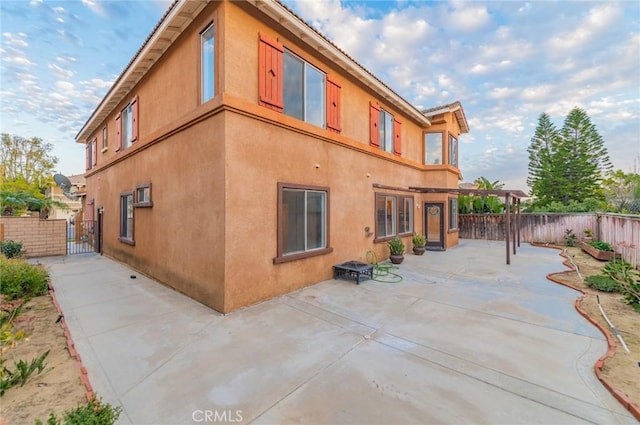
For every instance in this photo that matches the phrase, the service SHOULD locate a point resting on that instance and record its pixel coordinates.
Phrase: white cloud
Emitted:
(479, 69)
(98, 83)
(502, 92)
(468, 17)
(94, 6)
(61, 73)
(15, 39)
(599, 18)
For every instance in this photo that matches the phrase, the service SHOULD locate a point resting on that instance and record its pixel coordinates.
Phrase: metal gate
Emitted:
(82, 237)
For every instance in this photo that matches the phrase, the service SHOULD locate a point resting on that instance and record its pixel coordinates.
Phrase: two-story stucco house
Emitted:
(240, 155)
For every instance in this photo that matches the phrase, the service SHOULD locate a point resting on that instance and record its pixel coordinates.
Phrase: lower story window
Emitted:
(394, 215)
(126, 217)
(453, 213)
(303, 228)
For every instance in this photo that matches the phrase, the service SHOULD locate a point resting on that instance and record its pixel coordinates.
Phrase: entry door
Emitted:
(434, 223)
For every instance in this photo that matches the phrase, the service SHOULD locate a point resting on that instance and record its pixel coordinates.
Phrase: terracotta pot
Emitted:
(396, 258)
(419, 250)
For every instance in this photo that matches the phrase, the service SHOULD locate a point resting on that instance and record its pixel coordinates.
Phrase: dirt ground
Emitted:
(57, 390)
(622, 371)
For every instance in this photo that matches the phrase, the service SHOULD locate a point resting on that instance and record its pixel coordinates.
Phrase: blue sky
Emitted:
(507, 62)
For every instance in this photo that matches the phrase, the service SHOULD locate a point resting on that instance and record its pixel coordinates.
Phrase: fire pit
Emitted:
(355, 271)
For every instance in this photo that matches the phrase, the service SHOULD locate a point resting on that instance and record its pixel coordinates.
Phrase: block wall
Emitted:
(40, 238)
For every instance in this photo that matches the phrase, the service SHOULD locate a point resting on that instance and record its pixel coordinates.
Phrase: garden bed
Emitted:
(620, 370)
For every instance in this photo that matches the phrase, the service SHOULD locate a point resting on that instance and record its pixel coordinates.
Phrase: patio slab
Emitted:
(463, 338)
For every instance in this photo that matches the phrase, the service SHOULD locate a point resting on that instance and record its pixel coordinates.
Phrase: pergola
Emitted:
(512, 233)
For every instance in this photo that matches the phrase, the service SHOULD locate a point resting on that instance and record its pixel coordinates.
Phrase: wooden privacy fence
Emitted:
(621, 231)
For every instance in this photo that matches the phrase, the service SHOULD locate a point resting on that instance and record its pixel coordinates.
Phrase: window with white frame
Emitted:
(305, 220)
(453, 213)
(386, 131)
(208, 63)
(303, 90)
(126, 217)
(453, 151)
(127, 126)
(394, 215)
(433, 148)
(406, 215)
(105, 142)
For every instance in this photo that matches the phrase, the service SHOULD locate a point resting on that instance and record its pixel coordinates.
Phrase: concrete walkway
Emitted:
(462, 339)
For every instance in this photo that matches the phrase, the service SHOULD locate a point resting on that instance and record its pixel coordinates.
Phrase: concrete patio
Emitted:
(463, 338)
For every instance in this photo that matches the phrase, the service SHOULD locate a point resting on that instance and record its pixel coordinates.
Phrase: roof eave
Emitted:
(179, 15)
(285, 17)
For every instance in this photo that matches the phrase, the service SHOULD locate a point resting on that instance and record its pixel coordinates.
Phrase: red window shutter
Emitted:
(134, 119)
(94, 151)
(88, 156)
(118, 133)
(270, 73)
(333, 104)
(374, 124)
(397, 137)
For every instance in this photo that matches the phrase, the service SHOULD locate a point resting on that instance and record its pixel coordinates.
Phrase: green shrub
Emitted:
(602, 246)
(602, 283)
(19, 279)
(93, 413)
(628, 279)
(570, 237)
(11, 249)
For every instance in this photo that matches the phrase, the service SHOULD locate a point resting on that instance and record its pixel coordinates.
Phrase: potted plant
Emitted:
(599, 250)
(396, 246)
(419, 243)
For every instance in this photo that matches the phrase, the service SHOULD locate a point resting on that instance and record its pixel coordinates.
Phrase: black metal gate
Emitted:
(82, 237)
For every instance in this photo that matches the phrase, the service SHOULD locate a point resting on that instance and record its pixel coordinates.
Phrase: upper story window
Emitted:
(384, 130)
(289, 84)
(453, 151)
(127, 125)
(208, 65)
(433, 148)
(105, 142)
(303, 90)
(92, 154)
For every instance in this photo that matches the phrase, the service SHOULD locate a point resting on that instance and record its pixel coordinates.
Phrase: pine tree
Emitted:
(540, 154)
(570, 164)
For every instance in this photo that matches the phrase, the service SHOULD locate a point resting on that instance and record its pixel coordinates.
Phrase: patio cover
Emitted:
(512, 232)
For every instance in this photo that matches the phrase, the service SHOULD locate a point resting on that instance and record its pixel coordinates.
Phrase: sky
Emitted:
(506, 61)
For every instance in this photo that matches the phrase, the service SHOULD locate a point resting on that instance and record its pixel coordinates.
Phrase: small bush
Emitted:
(19, 279)
(21, 372)
(602, 283)
(11, 249)
(93, 413)
(570, 237)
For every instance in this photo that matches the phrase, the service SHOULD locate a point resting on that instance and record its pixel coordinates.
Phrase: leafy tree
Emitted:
(26, 169)
(29, 160)
(469, 204)
(568, 165)
(623, 191)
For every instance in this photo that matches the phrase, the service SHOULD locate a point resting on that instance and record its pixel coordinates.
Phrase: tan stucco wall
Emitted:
(214, 170)
(39, 238)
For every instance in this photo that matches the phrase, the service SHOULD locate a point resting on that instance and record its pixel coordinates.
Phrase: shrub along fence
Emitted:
(621, 231)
